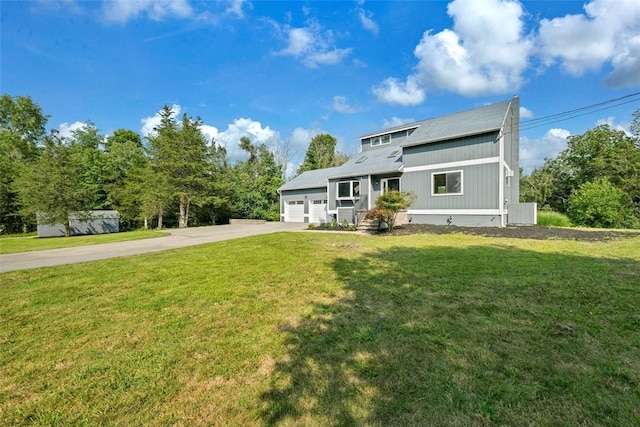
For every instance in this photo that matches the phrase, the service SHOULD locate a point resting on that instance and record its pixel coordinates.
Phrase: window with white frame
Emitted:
(446, 183)
(348, 189)
(380, 140)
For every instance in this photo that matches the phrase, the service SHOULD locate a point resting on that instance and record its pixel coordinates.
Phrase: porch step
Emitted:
(368, 225)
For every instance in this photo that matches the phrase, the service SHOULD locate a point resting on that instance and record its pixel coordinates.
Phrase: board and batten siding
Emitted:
(333, 202)
(475, 147)
(479, 187)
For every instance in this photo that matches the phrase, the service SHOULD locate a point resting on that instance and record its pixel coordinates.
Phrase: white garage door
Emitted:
(294, 211)
(318, 211)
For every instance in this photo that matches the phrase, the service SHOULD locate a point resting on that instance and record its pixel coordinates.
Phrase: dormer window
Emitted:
(380, 140)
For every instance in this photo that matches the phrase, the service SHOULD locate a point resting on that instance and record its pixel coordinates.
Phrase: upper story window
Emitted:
(348, 189)
(380, 140)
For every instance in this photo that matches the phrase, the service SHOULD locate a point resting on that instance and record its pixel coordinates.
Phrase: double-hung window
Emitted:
(380, 140)
(348, 189)
(446, 183)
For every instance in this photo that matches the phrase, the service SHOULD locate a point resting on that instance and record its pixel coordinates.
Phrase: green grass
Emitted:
(27, 244)
(329, 329)
(553, 219)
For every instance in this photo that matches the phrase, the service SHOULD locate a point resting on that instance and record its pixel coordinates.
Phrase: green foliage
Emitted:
(388, 205)
(553, 219)
(22, 130)
(322, 154)
(600, 204)
(597, 154)
(255, 184)
(53, 187)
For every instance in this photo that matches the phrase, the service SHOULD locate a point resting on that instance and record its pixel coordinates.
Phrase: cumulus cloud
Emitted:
(396, 121)
(534, 151)
(65, 130)
(149, 123)
(236, 7)
(607, 31)
(341, 105)
(613, 124)
(486, 52)
(230, 138)
(311, 44)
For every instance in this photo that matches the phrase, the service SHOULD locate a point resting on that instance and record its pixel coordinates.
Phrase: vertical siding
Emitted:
(475, 147)
(479, 186)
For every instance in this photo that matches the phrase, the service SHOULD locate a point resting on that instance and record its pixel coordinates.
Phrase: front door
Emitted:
(390, 184)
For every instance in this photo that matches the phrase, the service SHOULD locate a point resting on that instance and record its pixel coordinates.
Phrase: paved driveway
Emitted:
(179, 238)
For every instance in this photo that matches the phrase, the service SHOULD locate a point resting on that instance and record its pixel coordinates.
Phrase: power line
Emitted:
(578, 112)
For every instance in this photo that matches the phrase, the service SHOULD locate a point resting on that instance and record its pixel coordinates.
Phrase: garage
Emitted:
(294, 211)
(318, 211)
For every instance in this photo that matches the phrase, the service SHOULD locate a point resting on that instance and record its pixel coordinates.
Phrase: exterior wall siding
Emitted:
(475, 147)
(479, 186)
(333, 202)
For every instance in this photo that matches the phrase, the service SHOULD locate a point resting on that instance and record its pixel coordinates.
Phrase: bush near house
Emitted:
(553, 219)
(387, 207)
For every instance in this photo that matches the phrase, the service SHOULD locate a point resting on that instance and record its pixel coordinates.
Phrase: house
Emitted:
(463, 169)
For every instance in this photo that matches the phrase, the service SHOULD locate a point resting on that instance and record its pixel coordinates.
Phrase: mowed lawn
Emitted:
(324, 329)
(9, 245)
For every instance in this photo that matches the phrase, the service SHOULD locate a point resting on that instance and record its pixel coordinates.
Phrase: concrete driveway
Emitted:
(179, 238)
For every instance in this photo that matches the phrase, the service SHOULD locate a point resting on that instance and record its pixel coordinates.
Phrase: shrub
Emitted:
(600, 204)
(388, 205)
(553, 219)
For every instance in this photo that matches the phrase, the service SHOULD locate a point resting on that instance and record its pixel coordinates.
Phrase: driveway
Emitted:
(179, 238)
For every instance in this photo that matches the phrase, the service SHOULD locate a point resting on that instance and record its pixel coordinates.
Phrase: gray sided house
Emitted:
(101, 222)
(463, 169)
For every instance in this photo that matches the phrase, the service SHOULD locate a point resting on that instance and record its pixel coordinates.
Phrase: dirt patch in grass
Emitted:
(523, 232)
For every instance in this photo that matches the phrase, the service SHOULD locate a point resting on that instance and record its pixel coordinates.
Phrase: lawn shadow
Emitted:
(482, 335)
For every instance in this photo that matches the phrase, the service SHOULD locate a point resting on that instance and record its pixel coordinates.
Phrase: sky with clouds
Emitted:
(281, 72)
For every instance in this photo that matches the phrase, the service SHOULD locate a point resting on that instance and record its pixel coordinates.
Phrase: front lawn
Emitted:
(329, 329)
(11, 245)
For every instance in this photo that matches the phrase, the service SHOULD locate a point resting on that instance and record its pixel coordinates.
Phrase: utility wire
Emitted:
(578, 112)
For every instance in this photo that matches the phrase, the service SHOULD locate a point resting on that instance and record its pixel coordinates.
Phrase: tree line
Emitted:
(172, 177)
(595, 181)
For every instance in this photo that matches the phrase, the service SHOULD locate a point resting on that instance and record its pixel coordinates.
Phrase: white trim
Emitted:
(351, 196)
(461, 163)
(370, 192)
(453, 212)
(501, 201)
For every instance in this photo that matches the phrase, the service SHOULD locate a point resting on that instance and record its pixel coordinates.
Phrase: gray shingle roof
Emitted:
(471, 122)
(310, 179)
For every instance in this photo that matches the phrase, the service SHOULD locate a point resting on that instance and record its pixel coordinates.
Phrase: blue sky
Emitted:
(281, 72)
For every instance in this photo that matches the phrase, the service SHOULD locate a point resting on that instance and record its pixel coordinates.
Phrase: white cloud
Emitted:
(486, 52)
(525, 113)
(210, 132)
(341, 105)
(366, 19)
(236, 7)
(66, 130)
(396, 92)
(149, 123)
(125, 10)
(396, 121)
(230, 138)
(312, 45)
(534, 151)
(608, 31)
(611, 122)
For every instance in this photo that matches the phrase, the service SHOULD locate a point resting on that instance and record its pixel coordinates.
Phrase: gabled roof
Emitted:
(310, 179)
(383, 160)
(388, 158)
(471, 122)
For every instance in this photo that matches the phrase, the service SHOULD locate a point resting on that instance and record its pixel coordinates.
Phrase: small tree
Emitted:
(388, 205)
(600, 204)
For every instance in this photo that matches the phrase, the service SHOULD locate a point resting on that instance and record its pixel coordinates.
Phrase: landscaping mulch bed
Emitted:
(522, 232)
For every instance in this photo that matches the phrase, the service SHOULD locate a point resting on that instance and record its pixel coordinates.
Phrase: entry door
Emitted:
(390, 184)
